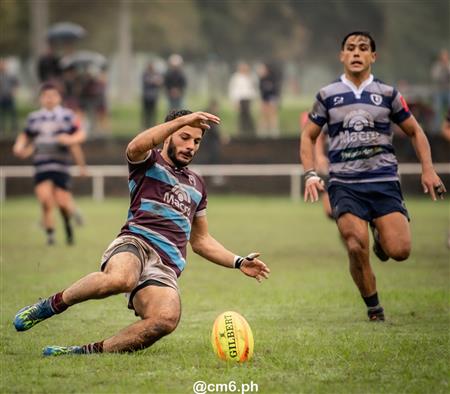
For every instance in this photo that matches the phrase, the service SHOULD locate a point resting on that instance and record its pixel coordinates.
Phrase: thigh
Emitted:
(63, 197)
(157, 302)
(45, 191)
(353, 227)
(393, 229)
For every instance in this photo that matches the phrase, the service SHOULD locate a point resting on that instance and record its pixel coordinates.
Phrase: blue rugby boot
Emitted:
(32, 314)
(61, 350)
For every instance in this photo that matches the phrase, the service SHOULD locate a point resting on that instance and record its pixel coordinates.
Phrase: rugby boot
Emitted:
(61, 350)
(376, 314)
(32, 314)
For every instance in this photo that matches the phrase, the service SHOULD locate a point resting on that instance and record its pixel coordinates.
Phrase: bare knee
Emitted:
(355, 246)
(158, 327)
(400, 252)
(114, 284)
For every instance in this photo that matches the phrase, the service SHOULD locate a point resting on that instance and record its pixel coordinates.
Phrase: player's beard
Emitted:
(172, 153)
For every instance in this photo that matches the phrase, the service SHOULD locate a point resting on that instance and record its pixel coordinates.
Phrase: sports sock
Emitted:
(57, 303)
(90, 348)
(372, 302)
(67, 226)
(50, 235)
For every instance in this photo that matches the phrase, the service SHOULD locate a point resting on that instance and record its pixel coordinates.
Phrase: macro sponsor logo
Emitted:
(179, 198)
(358, 120)
(346, 137)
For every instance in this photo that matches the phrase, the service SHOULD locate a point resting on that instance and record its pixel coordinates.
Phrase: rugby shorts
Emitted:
(368, 201)
(153, 271)
(61, 180)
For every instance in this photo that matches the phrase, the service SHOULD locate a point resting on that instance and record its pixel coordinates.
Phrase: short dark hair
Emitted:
(49, 86)
(366, 34)
(176, 113)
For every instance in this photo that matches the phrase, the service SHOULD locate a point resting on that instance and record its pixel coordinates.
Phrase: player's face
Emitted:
(50, 98)
(182, 146)
(357, 55)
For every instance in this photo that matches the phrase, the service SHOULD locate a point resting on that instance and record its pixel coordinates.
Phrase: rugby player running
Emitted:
(364, 184)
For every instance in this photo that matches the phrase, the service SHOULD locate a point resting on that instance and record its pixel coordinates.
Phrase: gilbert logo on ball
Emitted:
(232, 337)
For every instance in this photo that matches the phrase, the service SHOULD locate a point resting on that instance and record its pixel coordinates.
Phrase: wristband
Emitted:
(238, 261)
(310, 173)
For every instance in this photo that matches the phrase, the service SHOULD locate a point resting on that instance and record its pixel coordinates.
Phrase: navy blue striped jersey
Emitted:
(359, 125)
(43, 128)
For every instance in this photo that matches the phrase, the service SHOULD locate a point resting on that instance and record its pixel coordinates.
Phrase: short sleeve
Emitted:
(319, 112)
(399, 108)
(201, 208)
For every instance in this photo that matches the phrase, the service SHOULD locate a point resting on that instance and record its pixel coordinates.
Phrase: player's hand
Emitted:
(83, 172)
(255, 268)
(433, 184)
(200, 120)
(314, 184)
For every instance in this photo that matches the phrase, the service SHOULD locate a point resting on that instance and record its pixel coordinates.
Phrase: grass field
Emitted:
(309, 323)
(125, 120)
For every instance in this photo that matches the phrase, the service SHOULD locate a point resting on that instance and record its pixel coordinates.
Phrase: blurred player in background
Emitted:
(167, 209)
(52, 135)
(364, 185)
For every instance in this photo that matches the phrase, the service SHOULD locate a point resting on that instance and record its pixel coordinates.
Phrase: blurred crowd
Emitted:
(254, 90)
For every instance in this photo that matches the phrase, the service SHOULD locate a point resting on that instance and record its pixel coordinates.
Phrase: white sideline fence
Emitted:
(98, 173)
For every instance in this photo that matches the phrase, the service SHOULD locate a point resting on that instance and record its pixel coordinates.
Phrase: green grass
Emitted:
(309, 323)
(125, 120)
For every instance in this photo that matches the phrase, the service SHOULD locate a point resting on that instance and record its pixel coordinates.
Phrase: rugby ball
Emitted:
(232, 338)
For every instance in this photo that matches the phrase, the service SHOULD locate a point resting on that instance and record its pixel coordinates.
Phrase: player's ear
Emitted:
(374, 57)
(341, 56)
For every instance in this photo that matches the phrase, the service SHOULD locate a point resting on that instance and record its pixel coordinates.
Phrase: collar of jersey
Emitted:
(51, 111)
(357, 91)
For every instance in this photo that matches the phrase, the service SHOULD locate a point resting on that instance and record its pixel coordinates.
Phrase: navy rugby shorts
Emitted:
(59, 179)
(368, 201)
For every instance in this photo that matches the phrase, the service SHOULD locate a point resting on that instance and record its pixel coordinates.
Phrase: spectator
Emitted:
(49, 68)
(269, 89)
(175, 82)
(93, 99)
(440, 75)
(242, 91)
(151, 83)
(8, 86)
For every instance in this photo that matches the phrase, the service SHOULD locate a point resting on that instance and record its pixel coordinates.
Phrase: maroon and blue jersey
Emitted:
(164, 201)
(43, 128)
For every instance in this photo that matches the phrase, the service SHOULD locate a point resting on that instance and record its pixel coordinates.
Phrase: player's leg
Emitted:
(66, 205)
(394, 235)
(354, 232)
(159, 308)
(120, 275)
(44, 194)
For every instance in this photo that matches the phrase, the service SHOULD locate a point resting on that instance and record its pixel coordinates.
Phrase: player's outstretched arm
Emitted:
(313, 183)
(23, 148)
(431, 182)
(209, 248)
(140, 145)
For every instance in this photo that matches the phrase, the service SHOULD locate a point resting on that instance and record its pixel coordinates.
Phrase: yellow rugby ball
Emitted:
(232, 337)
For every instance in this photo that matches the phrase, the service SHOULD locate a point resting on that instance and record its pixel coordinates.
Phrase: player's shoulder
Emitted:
(35, 115)
(383, 88)
(331, 89)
